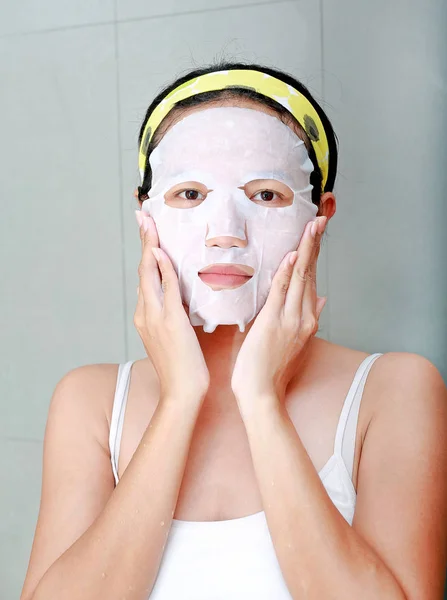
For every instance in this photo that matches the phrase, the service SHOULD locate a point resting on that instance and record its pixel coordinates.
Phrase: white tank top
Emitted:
(235, 559)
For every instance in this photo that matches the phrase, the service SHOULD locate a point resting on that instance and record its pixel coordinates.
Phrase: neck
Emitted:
(220, 350)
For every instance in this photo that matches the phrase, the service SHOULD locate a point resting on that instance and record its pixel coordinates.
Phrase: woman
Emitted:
(254, 459)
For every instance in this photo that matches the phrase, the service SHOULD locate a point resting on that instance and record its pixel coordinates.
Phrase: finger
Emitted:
(280, 284)
(139, 217)
(147, 225)
(149, 274)
(186, 309)
(151, 230)
(309, 304)
(172, 300)
(139, 315)
(294, 299)
(322, 222)
(148, 230)
(321, 303)
(150, 238)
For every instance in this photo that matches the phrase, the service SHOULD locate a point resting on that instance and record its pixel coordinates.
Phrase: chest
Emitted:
(219, 481)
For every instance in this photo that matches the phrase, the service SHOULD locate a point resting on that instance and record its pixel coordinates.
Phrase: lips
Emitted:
(228, 269)
(223, 276)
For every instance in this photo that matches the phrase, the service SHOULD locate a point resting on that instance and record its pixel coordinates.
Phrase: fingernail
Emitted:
(156, 253)
(293, 257)
(321, 301)
(145, 223)
(138, 216)
(314, 227)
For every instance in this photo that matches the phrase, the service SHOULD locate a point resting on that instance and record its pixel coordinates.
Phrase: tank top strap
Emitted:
(347, 425)
(118, 411)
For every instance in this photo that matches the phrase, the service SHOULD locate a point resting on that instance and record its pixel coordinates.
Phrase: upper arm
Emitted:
(77, 478)
(401, 508)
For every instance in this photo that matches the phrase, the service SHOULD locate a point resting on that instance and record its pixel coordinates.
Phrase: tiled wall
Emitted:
(76, 79)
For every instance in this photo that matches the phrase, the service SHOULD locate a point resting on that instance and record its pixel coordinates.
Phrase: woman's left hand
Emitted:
(270, 354)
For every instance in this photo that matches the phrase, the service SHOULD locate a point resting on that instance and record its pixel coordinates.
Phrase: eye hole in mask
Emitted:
(186, 195)
(268, 192)
(264, 192)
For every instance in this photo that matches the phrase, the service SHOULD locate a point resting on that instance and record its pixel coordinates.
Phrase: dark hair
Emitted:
(238, 92)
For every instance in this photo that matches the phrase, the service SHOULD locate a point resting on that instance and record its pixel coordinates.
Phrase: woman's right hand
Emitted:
(163, 325)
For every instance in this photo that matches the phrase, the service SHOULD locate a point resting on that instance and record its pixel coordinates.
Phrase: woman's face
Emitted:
(230, 196)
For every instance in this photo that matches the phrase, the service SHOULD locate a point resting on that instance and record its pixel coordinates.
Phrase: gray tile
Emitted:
(62, 281)
(21, 469)
(137, 9)
(385, 87)
(33, 15)
(286, 36)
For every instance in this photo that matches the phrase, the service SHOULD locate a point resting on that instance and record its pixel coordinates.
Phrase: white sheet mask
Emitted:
(224, 148)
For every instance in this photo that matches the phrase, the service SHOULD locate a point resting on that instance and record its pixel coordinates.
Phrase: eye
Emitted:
(187, 194)
(267, 196)
(268, 192)
(190, 195)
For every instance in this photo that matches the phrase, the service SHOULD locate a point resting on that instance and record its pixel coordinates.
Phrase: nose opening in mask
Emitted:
(229, 236)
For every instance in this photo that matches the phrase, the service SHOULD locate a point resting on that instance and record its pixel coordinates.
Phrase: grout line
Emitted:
(323, 94)
(199, 11)
(121, 180)
(143, 18)
(322, 50)
(56, 29)
(11, 438)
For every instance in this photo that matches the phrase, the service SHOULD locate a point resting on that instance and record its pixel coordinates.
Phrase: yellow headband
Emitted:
(297, 104)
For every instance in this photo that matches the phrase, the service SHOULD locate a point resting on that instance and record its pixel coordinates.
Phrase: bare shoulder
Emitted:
(88, 391)
(401, 507)
(77, 478)
(395, 377)
(409, 381)
(408, 400)
(397, 363)
(94, 377)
